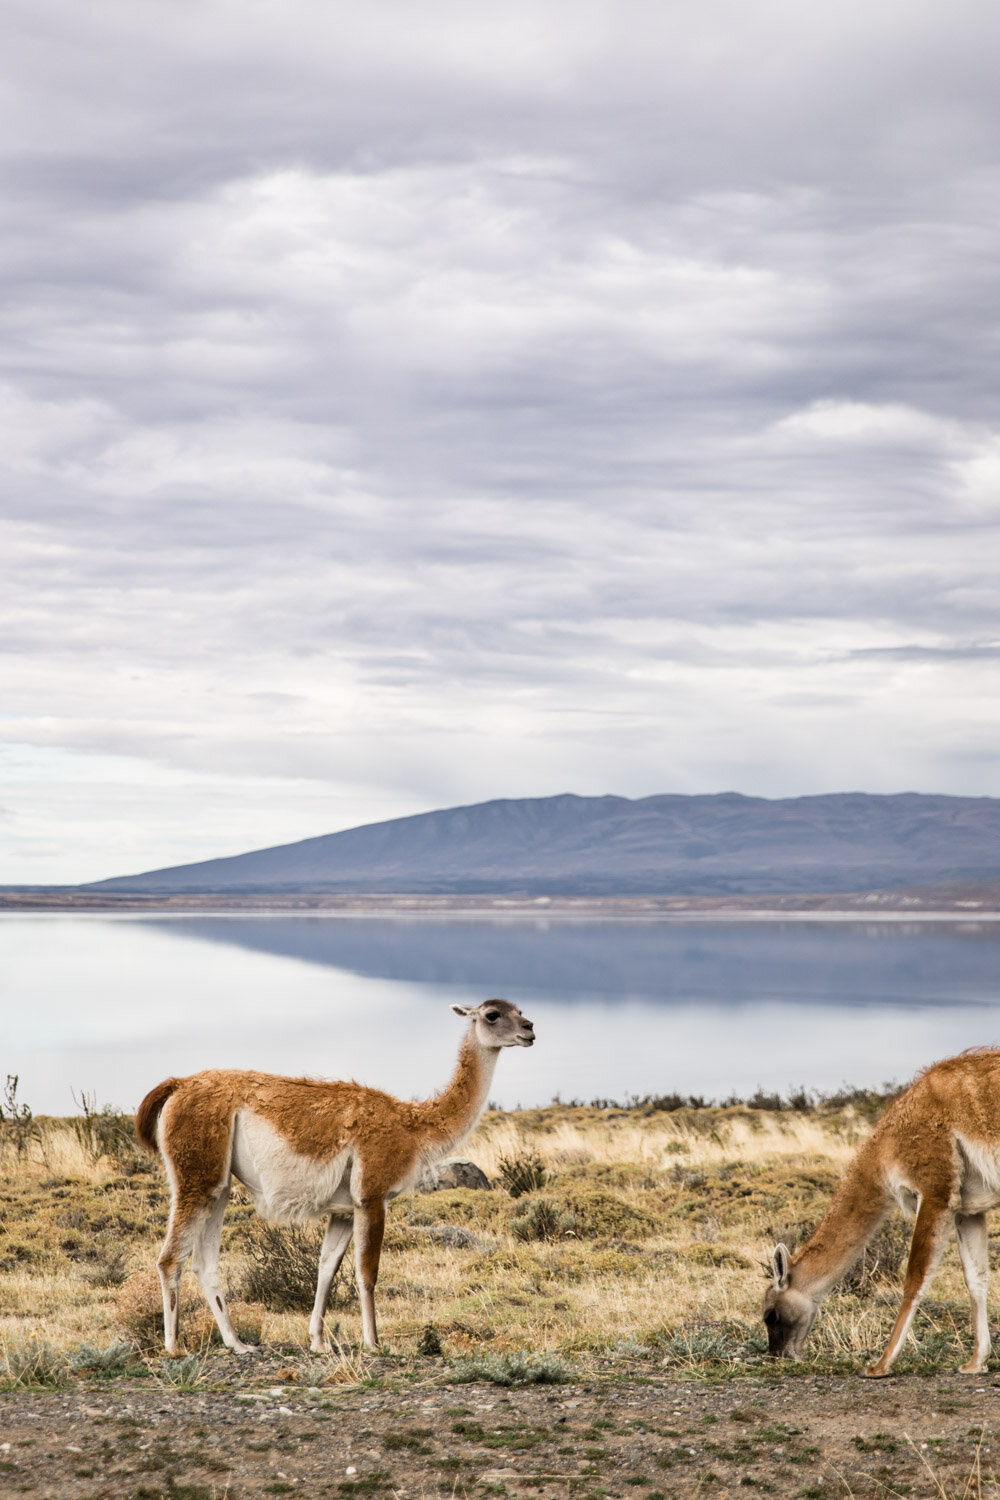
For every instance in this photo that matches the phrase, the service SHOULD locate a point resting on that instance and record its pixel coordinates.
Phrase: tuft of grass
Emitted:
(512, 1369)
(184, 1374)
(342, 1366)
(30, 1361)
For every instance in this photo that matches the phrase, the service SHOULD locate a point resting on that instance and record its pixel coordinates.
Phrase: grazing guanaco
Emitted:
(936, 1153)
(307, 1149)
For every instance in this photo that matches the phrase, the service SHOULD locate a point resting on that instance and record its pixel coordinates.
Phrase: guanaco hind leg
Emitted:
(182, 1233)
(930, 1234)
(205, 1265)
(199, 1191)
(335, 1242)
(973, 1247)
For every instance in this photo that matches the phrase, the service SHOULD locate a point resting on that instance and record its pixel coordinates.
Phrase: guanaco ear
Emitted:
(462, 1010)
(781, 1264)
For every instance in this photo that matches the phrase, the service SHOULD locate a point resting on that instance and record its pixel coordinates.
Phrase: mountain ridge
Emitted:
(712, 844)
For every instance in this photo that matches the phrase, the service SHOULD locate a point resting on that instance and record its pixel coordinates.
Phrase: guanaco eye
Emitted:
(492, 1015)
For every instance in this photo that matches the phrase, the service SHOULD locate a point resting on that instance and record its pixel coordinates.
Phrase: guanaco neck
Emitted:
(858, 1207)
(452, 1114)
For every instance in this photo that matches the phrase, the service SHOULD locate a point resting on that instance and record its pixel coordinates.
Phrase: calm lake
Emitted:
(111, 1005)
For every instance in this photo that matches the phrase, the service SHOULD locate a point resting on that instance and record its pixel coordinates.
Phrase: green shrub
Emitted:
(543, 1220)
(30, 1361)
(716, 1255)
(115, 1356)
(712, 1343)
(512, 1369)
(430, 1343)
(522, 1174)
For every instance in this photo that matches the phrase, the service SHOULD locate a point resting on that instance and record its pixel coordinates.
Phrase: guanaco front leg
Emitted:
(369, 1227)
(930, 1233)
(973, 1247)
(335, 1242)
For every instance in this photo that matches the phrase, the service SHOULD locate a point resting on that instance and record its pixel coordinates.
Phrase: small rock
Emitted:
(457, 1172)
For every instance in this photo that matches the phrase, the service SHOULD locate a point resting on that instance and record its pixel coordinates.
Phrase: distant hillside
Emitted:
(716, 845)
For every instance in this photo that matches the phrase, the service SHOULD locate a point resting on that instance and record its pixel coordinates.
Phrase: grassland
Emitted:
(641, 1236)
(586, 1327)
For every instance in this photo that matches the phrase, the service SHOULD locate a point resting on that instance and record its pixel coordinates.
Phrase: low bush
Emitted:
(512, 1369)
(603, 1215)
(522, 1174)
(30, 1361)
(543, 1220)
(108, 1132)
(282, 1266)
(87, 1357)
(18, 1127)
(716, 1255)
(429, 1343)
(713, 1342)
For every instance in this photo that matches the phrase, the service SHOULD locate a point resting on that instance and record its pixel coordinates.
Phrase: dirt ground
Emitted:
(641, 1432)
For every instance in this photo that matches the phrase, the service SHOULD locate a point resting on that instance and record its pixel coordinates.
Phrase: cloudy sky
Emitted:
(407, 404)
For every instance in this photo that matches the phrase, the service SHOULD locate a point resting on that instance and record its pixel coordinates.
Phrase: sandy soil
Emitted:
(641, 1433)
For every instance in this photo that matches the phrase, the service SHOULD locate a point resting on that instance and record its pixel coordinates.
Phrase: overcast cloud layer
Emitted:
(410, 404)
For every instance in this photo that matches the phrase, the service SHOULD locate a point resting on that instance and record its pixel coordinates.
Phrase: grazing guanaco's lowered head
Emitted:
(498, 1024)
(788, 1313)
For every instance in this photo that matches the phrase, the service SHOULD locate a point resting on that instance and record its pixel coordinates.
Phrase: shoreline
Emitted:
(932, 905)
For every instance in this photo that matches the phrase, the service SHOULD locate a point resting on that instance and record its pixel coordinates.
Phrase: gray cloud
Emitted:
(404, 411)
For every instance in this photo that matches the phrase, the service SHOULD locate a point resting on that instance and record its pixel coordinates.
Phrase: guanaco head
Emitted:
(789, 1314)
(498, 1024)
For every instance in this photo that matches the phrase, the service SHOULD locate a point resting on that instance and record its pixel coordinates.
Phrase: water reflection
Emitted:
(114, 1004)
(660, 962)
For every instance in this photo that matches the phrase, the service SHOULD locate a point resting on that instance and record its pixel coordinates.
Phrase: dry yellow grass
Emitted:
(661, 1226)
